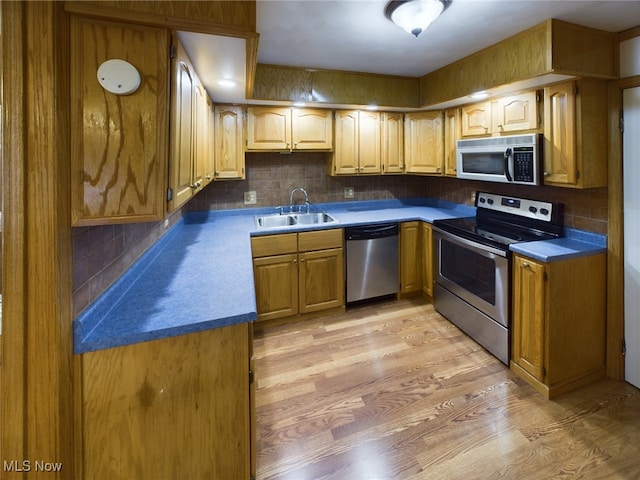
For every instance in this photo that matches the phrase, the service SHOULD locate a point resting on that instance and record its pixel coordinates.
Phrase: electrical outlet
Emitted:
(348, 192)
(250, 197)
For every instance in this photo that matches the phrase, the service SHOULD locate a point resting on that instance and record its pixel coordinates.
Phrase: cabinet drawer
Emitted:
(274, 244)
(321, 239)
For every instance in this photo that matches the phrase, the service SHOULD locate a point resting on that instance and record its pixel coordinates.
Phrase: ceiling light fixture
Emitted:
(414, 16)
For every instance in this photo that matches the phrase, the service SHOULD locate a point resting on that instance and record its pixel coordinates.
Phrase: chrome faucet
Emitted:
(306, 198)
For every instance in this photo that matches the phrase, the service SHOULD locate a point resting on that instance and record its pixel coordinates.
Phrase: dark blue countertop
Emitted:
(199, 275)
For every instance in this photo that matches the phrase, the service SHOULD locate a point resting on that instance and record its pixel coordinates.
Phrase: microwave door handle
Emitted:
(507, 155)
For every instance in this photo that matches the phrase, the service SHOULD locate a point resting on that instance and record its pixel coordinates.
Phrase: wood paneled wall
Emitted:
(37, 403)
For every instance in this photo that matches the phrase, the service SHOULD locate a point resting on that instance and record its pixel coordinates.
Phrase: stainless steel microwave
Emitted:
(507, 159)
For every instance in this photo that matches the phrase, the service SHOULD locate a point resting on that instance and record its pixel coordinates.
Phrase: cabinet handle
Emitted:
(526, 265)
(295, 260)
(302, 260)
(546, 174)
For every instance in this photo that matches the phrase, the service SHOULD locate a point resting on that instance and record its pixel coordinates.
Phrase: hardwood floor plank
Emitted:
(394, 391)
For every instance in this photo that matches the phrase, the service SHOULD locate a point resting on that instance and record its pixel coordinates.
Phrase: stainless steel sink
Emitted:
(311, 218)
(292, 219)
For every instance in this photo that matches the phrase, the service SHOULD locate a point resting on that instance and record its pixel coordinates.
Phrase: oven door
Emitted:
(476, 273)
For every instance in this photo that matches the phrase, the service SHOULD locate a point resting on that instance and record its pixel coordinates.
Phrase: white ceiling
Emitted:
(354, 35)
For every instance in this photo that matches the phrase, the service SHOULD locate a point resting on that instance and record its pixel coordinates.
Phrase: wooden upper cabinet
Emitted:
(515, 113)
(183, 133)
(392, 142)
(424, 142)
(311, 129)
(229, 142)
(202, 135)
(451, 136)
(476, 119)
(282, 128)
(575, 134)
(357, 143)
(502, 115)
(268, 128)
(119, 142)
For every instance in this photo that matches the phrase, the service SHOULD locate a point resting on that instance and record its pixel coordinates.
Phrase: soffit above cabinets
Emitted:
(217, 57)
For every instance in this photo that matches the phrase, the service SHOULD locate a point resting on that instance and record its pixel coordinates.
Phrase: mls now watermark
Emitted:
(31, 466)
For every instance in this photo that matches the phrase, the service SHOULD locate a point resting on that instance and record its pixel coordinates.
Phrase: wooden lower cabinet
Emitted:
(298, 273)
(178, 407)
(559, 322)
(410, 257)
(427, 259)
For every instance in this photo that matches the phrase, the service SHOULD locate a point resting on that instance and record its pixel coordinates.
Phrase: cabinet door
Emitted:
(424, 142)
(392, 142)
(427, 259)
(451, 137)
(268, 128)
(345, 153)
(476, 119)
(210, 160)
(321, 277)
(410, 257)
(229, 134)
(276, 284)
(369, 146)
(529, 316)
(560, 134)
(312, 129)
(182, 134)
(119, 143)
(515, 112)
(202, 138)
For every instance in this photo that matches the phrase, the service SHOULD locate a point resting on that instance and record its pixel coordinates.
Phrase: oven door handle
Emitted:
(479, 248)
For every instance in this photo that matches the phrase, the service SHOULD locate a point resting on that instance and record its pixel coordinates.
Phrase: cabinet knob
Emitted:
(294, 260)
(546, 174)
(526, 265)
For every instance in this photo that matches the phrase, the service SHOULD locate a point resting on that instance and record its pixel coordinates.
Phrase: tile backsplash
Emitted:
(101, 254)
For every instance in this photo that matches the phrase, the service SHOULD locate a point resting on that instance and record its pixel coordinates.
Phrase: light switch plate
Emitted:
(348, 192)
(250, 198)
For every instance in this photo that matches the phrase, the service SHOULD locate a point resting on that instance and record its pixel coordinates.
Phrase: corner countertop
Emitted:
(199, 275)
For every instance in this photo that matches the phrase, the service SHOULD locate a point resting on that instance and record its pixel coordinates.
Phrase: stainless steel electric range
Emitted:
(472, 263)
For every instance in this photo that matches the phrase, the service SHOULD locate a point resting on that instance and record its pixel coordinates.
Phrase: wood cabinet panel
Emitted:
(516, 113)
(346, 154)
(119, 142)
(452, 133)
(276, 284)
(171, 408)
(476, 119)
(229, 142)
(575, 134)
(410, 257)
(321, 280)
(312, 129)
(320, 239)
(369, 146)
(427, 259)
(274, 244)
(268, 128)
(529, 316)
(424, 142)
(392, 142)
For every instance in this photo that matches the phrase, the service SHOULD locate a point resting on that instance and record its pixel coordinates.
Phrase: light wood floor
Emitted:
(394, 391)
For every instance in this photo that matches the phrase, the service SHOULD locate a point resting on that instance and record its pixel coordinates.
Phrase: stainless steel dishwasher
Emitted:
(372, 261)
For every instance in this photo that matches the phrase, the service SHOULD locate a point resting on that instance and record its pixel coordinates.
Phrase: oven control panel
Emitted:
(522, 207)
